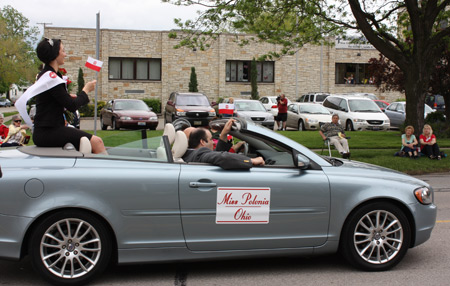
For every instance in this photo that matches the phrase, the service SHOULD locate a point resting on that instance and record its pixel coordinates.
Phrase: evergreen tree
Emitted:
(80, 81)
(253, 78)
(193, 85)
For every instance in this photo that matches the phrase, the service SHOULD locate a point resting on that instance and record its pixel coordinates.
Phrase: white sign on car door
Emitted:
(243, 205)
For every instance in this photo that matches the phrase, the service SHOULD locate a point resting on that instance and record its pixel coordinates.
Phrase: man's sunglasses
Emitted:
(17, 120)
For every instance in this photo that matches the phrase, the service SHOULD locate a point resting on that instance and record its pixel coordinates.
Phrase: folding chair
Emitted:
(326, 142)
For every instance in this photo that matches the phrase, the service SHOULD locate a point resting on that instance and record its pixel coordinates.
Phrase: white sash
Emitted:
(47, 81)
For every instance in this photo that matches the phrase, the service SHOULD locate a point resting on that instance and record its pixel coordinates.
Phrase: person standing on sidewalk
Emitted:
(282, 104)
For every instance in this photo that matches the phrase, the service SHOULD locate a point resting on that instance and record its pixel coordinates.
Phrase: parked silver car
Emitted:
(74, 213)
(307, 116)
(255, 111)
(396, 112)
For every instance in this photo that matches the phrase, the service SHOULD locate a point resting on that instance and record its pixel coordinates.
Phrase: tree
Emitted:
(193, 85)
(18, 61)
(253, 78)
(388, 76)
(80, 81)
(412, 34)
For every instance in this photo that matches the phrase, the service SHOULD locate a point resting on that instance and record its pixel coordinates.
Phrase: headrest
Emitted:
(169, 130)
(85, 145)
(180, 145)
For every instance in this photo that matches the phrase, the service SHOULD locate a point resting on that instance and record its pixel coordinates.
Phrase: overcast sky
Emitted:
(114, 14)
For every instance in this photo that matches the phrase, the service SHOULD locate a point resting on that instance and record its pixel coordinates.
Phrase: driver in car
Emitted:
(201, 145)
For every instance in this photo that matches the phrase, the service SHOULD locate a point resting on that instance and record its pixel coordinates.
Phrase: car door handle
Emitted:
(202, 185)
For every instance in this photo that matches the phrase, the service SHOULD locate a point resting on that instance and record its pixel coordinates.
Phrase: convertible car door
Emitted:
(263, 208)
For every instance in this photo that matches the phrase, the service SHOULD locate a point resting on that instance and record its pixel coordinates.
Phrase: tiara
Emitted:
(50, 41)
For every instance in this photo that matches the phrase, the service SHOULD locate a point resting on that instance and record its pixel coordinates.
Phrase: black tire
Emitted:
(114, 124)
(301, 125)
(349, 126)
(362, 238)
(104, 127)
(60, 244)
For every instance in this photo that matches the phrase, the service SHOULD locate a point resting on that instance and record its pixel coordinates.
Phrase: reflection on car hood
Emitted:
(361, 170)
(137, 113)
(201, 108)
(253, 114)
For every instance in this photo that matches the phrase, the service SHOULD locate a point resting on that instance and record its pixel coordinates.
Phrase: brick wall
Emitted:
(209, 65)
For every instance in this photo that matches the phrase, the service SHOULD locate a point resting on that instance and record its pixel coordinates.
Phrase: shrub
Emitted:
(88, 110)
(154, 104)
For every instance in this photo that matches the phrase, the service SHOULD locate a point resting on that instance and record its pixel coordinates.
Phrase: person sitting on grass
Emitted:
(429, 147)
(409, 142)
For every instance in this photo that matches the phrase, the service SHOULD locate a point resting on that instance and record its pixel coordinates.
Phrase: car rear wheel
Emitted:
(376, 237)
(349, 126)
(104, 126)
(70, 248)
(301, 126)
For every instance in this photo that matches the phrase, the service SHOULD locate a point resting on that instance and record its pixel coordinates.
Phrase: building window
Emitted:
(240, 71)
(134, 69)
(347, 73)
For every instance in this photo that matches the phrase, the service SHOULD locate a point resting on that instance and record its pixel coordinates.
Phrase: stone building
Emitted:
(144, 64)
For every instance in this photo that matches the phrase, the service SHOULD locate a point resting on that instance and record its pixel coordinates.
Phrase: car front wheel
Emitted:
(349, 126)
(70, 248)
(301, 126)
(376, 237)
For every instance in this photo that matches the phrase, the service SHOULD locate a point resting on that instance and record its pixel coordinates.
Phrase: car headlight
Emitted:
(387, 121)
(423, 195)
(153, 118)
(312, 120)
(358, 120)
(181, 112)
(125, 117)
(212, 112)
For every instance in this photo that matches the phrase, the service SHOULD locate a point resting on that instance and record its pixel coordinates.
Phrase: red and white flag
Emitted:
(94, 64)
(226, 108)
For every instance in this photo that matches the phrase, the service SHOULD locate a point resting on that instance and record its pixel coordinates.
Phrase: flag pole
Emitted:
(97, 56)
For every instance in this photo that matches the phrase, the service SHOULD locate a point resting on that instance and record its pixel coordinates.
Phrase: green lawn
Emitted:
(376, 148)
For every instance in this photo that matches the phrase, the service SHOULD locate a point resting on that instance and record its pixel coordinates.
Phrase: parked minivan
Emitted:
(357, 113)
(192, 106)
(435, 101)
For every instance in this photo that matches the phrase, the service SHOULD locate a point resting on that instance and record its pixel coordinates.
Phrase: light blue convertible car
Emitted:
(74, 212)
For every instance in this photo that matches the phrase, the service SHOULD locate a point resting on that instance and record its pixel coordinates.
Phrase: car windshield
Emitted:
(192, 100)
(381, 104)
(313, 109)
(134, 145)
(359, 105)
(131, 105)
(248, 106)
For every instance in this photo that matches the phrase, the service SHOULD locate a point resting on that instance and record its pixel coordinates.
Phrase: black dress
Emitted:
(49, 125)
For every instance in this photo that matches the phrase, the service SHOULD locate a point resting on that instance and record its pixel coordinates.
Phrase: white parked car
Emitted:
(307, 116)
(357, 113)
(270, 103)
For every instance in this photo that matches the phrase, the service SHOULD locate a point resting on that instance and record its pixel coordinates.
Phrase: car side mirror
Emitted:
(268, 109)
(213, 103)
(170, 102)
(302, 162)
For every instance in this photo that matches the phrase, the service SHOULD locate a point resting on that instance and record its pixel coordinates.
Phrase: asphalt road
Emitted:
(427, 264)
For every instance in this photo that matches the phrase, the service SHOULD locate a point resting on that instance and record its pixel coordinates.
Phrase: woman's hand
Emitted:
(90, 86)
